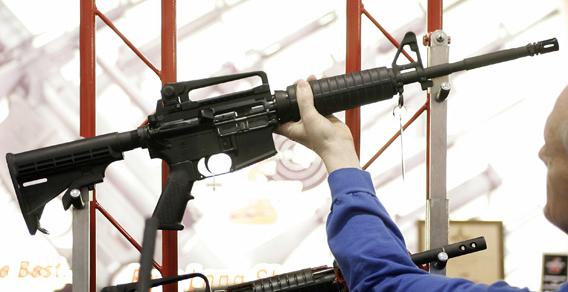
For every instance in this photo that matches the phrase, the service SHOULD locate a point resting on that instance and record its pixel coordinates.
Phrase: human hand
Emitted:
(327, 136)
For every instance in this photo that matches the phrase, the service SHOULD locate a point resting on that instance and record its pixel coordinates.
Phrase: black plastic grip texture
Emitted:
(285, 281)
(87, 152)
(173, 200)
(321, 279)
(341, 92)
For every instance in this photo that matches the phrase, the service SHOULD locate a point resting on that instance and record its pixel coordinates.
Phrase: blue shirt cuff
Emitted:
(350, 180)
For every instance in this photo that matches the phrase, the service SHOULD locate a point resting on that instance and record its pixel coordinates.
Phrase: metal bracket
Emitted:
(437, 211)
(80, 259)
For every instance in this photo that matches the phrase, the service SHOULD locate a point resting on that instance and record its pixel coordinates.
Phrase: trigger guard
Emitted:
(218, 169)
(207, 164)
(203, 167)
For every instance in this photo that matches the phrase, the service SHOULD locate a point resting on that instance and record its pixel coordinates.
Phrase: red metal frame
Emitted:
(391, 39)
(88, 12)
(111, 25)
(123, 231)
(435, 16)
(87, 108)
(353, 63)
(416, 115)
(168, 74)
(434, 22)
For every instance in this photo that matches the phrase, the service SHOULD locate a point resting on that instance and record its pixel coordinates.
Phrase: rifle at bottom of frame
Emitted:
(320, 279)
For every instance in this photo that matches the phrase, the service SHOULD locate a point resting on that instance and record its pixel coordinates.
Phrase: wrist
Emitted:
(340, 157)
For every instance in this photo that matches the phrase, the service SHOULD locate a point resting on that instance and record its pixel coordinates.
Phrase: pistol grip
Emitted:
(173, 200)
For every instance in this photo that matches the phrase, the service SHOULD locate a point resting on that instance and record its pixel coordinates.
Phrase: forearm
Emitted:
(369, 247)
(361, 235)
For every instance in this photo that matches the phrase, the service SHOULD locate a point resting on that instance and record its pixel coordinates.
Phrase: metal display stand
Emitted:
(84, 244)
(436, 114)
(437, 210)
(81, 247)
(84, 220)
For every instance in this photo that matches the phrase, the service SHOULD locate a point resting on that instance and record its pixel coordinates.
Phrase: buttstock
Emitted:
(41, 175)
(33, 195)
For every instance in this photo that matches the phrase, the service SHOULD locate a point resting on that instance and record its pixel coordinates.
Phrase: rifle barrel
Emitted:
(531, 49)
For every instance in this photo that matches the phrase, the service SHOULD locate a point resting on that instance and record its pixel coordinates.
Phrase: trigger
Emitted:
(207, 163)
(215, 164)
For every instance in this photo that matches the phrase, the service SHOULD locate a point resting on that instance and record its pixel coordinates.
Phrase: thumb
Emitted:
(305, 98)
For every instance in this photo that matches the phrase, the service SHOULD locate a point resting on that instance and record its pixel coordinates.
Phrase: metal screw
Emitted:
(426, 40)
(445, 88)
(443, 256)
(168, 91)
(440, 38)
(75, 193)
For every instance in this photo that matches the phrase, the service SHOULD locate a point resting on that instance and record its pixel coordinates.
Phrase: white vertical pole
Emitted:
(80, 261)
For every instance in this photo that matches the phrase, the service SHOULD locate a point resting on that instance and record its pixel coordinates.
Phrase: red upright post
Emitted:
(169, 72)
(353, 64)
(434, 22)
(87, 68)
(435, 8)
(437, 204)
(87, 112)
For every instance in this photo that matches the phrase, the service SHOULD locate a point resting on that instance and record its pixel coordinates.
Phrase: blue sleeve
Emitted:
(370, 249)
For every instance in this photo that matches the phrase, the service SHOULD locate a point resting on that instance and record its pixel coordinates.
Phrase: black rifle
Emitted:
(321, 279)
(239, 124)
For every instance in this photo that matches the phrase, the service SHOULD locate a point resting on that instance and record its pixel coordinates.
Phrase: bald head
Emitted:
(554, 154)
(561, 109)
(564, 134)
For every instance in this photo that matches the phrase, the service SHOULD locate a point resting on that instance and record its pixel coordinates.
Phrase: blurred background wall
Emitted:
(270, 217)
